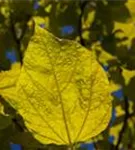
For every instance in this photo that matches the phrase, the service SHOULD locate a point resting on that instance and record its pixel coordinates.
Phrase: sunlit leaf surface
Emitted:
(61, 91)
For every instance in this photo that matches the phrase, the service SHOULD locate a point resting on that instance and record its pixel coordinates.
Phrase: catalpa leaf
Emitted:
(61, 91)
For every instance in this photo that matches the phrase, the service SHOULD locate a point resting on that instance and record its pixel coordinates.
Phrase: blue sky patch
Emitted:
(88, 146)
(11, 56)
(113, 117)
(118, 94)
(15, 147)
(36, 5)
(111, 139)
(67, 30)
(105, 67)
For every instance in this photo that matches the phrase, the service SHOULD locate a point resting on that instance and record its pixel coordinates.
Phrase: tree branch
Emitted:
(125, 123)
(18, 40)
(82, 7)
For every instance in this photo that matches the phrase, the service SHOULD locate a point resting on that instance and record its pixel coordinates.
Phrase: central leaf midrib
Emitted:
(61, 101)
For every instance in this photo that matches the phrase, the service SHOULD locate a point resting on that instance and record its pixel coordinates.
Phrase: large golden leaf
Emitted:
(61, 92)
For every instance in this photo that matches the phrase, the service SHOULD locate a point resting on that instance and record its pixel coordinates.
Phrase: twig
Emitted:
(125, 123)
(82, 7)
(18, 40)
(15, 38)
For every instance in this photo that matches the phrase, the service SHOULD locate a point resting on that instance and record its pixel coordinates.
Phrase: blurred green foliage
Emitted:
(103, 26)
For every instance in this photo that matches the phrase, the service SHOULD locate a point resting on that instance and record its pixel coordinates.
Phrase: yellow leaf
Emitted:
(114, 131)
(128, 75)
(8, 80)
(114, 86)
(130, 4)
(101, 54)
(62, 92)
(39, 20)
(128, 30)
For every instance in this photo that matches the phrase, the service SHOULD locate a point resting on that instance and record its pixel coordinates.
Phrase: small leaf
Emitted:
(61, 92)
(8, 81)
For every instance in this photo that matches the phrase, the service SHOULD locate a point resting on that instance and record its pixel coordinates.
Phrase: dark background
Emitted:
(103, 26)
